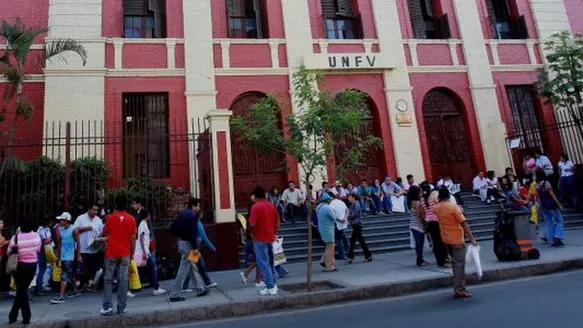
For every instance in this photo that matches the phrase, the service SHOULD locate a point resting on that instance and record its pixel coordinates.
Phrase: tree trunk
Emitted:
(309, 219)
(12, 130)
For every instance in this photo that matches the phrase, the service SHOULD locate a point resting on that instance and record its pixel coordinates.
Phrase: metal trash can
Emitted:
(523, 230)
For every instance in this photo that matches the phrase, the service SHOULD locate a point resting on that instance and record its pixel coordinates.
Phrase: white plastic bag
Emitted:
(278, 254)
(473, 255)
(398, 204)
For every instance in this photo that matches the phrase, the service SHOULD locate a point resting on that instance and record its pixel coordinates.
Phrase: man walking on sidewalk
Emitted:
(453, 226)
(120, 230)
(264, 224)
(185, 229)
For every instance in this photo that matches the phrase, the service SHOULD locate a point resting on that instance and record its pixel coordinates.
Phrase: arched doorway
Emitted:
(371, 167)
(446, 135)
(250, 168)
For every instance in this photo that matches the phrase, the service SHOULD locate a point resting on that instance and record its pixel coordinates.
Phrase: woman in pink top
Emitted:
(427, 202)
(27, 245)
(529, 165)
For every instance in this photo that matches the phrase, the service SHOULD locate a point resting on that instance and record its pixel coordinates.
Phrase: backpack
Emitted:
(546, 200)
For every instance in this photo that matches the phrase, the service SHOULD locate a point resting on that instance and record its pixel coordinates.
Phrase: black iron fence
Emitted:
(69, 165)
(564, 135)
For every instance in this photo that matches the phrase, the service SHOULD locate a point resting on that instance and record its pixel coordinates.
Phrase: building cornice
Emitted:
(516, 68)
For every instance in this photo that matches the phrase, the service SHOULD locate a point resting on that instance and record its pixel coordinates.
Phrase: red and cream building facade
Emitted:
(444, 78)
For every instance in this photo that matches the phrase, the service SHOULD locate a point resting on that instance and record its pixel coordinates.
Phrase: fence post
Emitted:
(67, 165)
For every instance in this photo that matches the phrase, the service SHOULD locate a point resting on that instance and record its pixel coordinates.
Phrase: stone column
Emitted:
(73, 91)
(398, 90)
(296, 22)
(485, 100)
(199, 70)
(550, 17)
(223, 192)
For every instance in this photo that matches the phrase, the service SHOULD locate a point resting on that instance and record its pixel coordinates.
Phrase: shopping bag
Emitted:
(473, 256)
(50, 254)
(194, 256)
(134, 277)
(12, 283)
(398, 204)
(56, 273)
(278, 253)
(139, 258)
(533, 214)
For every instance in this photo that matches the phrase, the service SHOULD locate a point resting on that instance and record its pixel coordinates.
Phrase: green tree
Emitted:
(561, 81)
(322, 126)
(18, 40)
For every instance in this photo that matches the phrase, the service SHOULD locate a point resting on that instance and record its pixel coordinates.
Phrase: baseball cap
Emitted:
(325, 197)
(338, 183)
(65, 216)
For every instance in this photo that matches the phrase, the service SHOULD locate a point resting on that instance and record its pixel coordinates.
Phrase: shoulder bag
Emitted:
(12, 261)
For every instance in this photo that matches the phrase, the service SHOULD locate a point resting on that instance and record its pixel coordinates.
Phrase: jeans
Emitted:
(554, 220)
(292, 210)
(186, 269)
(281, 211)
(201, 266)
(364, 201)
(458, 255)
(42, 268)
(388, 203)
(121, 265)
(378, 203)
(357, 235)
(22, 278)
(458, 199)
(281, 271)
(264, 263)
(568, 184)
(419, 242)
(342, 244)
(153, 270)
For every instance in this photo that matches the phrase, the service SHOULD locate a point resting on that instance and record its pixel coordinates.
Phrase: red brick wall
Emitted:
(513, 54)
(574, 10)
(139, 55)
(434, 54)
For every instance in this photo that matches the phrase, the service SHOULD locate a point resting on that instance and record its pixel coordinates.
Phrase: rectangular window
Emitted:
(506, 23)
(144, 19)
(146, 149)
(246, 19)
(525, 119)
(426, 20)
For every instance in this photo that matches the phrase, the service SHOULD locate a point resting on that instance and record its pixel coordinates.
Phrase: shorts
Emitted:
(67, 271)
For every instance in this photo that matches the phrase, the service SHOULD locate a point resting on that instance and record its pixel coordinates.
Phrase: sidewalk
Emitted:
(388, 275)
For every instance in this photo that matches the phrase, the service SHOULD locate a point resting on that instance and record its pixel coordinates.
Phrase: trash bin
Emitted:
(513, 236)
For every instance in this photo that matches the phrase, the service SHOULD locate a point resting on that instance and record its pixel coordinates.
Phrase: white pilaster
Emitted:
(171, 53)
(397, 88)
(296, 21)
(226, 53)
(550, 17)
(485, 100)
(219, 122)
(274, 49)
(455, 61)
(494, 51)
(74, 91)
(118, 56)
(199, 68)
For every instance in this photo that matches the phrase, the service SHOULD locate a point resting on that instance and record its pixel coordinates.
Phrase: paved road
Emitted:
(550, 301)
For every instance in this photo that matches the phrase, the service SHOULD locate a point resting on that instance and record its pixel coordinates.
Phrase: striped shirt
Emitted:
(28, 247)
(415, 222)
(428, 207)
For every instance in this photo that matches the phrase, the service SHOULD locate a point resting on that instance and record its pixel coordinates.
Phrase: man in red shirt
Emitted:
(120, 230)
(264, 224)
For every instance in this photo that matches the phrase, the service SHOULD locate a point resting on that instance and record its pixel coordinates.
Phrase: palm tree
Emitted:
(18, 40)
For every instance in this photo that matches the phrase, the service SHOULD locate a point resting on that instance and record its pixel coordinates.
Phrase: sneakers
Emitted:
(74, 294)
(106, 312)
(188, 290)
(58, 300)
(131, 295)
(212, 285)
(260, 284)
(159, 291)
(243, 278)
(121, 311)
(269, 291)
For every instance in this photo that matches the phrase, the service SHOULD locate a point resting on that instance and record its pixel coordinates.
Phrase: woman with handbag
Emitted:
(23, 253)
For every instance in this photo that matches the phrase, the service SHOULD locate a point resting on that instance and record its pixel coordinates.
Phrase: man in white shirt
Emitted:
(293, 201)
(341, 211)
(89, 225)
(339, 192)
(544, 163)
(567, 182)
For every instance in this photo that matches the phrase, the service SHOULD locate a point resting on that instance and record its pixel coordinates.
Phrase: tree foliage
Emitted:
(561, 81)
(325, 125)
(18, 40)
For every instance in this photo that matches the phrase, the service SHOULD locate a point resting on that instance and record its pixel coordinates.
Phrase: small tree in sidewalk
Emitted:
(18, 40)
(561, 81)
(322, 125)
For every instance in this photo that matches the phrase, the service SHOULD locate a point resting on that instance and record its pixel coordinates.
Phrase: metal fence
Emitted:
(72, 164)
(564, 135)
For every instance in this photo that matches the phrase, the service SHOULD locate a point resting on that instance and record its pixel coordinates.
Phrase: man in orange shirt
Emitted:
(120, 230)
(453, 226)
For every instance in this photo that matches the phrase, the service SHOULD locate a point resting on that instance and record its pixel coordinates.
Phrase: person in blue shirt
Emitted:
(390, 188)
(365, 193)
(326, 223)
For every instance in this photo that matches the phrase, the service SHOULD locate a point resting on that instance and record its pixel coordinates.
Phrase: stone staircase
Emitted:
(389, 233)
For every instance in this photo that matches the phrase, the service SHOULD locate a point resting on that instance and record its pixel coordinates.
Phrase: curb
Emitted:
(305, 300)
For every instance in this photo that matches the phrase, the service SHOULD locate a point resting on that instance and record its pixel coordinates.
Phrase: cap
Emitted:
(65, 216)
(338, 183)
(325, 197)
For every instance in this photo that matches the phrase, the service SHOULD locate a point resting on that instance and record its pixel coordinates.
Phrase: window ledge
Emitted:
(144, 41)
(511, 41)
(432, 41)
(248, 41)
(345, 41)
